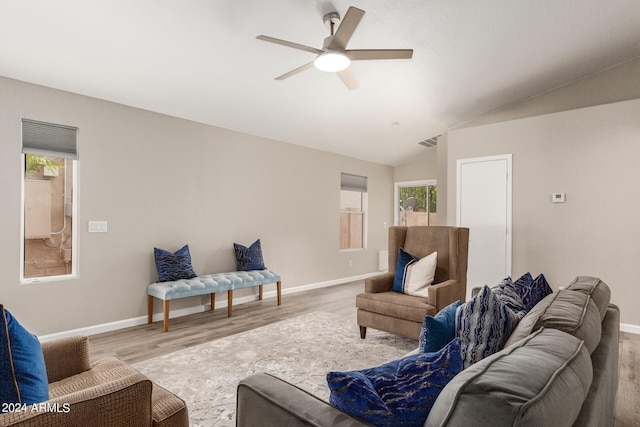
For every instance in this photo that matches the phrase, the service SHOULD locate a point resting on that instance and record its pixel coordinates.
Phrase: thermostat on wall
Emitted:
(557, 197)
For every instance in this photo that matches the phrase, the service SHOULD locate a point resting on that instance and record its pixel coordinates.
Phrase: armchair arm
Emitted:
(66, 357)
(380, 283)
(445, 293)
(123, 402)
(266, 401)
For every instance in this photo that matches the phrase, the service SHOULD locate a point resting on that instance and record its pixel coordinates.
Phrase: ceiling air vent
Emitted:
(431, 142)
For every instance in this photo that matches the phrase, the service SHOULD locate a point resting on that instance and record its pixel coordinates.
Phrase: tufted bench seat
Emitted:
(210, 284)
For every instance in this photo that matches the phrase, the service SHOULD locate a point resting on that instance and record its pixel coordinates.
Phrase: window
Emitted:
(416, 203)
(48, 201)
(353, 206)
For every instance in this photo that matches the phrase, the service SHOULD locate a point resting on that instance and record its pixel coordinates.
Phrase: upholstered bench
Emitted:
(210, 284)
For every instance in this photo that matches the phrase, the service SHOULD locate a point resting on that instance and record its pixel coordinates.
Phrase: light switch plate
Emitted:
(558, 197)
(97, 226)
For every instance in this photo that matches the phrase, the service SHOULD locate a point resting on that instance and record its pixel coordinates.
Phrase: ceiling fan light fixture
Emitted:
(331, 61)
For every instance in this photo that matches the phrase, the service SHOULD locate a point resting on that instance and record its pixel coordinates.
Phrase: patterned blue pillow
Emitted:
(173, 266)
(508, 294)
(532, 290)
(399, 393)
(250, 258)
(437, 331)
(405, 260)
(539, 289)
(483, 324)
(23, 375)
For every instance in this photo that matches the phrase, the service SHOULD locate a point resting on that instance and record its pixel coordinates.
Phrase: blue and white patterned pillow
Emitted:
(173, 266)
(483, 324)
(437, 331)
(399, 393)
(414, 275)
(250, 258)
(532, 290)
(509, 295)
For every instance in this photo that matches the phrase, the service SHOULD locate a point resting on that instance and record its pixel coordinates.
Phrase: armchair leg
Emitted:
(363, 332)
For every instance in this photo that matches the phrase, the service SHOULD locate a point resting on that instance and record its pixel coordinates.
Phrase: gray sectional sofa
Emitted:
(559, 367)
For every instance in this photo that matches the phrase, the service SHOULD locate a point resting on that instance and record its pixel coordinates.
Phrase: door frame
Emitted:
(396, 192)
(509, 199)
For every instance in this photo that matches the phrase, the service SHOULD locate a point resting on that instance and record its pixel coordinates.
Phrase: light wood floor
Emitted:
(147, 341)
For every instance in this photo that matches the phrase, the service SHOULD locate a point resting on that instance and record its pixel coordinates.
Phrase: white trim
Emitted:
(632, 329)
(142, 320)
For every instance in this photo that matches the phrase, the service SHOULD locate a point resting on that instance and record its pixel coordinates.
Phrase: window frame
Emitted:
(396, 195)
(364, 208)
(74, 217)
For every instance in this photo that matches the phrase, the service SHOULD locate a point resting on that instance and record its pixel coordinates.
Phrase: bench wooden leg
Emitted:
(260, 292)
(149, 309)
(166, 315)
(279, 286)
(213, 301)
(229, 302)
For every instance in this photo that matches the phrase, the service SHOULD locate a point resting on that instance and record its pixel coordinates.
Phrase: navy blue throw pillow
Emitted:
(397, 394)
(23, 374)
(437, 331)
(250, 258)
(173, 266)
(405, 260)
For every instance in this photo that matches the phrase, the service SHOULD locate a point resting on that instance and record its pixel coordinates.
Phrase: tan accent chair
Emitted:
(106, 393)
(379, 307)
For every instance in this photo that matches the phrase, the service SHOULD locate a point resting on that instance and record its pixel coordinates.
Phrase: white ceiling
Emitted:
(199, 60)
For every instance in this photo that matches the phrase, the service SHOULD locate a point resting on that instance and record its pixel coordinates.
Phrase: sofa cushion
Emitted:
(395, 304)
(398, 393)
(173, 266)
(23, 375)
(598, 291)
(250, 258)
(483, 323)
(569, 311)
(535, 292)
(437, 331)
(541, 380)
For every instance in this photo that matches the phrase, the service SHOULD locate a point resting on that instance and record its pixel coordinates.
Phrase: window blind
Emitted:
(351, 182)
(49, 139)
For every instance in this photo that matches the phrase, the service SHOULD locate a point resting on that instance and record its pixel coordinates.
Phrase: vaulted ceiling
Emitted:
(200, 60)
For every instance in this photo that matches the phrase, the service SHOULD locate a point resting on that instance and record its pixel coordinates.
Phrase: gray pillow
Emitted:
(569, 311)
(596, 289)
(542, 380)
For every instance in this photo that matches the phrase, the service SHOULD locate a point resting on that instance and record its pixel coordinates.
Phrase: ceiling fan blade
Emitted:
(366, 54)
(349, 79)
(289, 44)
(347, 26)
(295, 71)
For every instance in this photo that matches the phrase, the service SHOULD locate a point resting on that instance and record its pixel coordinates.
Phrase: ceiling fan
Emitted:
(334, 56)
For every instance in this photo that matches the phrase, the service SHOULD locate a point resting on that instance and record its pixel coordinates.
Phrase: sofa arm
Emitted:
(380, 283)
(445, 293)
(123, 402)
(266, 401)
(66, 357)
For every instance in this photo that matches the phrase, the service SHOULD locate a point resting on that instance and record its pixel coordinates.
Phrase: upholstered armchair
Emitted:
(380, 307)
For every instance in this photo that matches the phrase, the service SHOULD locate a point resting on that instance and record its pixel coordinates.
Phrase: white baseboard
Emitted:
(142, 320)
(632, 329)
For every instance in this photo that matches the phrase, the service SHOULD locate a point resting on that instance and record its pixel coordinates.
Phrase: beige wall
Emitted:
(591, 154)
(163, 181)
(422, 168)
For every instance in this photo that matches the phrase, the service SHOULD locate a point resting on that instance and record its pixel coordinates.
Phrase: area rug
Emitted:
(300, 350)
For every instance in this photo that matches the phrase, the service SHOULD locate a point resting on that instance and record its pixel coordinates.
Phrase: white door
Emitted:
(484, 206)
